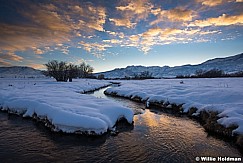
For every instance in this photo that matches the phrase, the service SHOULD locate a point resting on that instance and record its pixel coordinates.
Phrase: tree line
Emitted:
(63, 71)
(213, 73)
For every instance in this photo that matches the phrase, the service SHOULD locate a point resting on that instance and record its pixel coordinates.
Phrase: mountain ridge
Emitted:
(20, 72)
(229, 64)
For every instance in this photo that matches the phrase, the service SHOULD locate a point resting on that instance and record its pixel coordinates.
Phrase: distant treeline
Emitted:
(214, 73)
(141, 76)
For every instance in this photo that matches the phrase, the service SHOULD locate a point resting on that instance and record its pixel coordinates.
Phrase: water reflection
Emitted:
(153, 138)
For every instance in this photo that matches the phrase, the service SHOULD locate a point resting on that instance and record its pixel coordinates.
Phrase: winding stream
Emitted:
(155, 137)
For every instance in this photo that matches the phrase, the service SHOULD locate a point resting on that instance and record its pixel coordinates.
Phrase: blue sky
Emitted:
(110, 34)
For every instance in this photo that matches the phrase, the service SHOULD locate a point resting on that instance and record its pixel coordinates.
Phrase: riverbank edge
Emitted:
(48, 124)
(208, 119)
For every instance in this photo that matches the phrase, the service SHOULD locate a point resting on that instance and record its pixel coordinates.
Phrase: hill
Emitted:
(229, 65)
(20, 72)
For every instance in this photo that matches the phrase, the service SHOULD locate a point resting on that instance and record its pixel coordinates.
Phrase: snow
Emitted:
(20, 72)
(228, 65)
(224, 95)
(62, 104)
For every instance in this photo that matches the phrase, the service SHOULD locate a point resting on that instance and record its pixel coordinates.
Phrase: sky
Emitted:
(110, 34)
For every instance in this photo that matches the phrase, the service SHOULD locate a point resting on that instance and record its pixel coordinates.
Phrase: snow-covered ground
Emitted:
(224, 95)
(62, 104)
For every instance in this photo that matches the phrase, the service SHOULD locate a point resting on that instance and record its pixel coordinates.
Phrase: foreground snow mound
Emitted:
(224, 95)
(61, 105)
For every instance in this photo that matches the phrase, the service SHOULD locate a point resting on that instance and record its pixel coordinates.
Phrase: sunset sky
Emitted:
(110, 34)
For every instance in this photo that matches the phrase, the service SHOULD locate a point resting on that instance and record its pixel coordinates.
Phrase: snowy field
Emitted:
(224, 95)
(62, 104)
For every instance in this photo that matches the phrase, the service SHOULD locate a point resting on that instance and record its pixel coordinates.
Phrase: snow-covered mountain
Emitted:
(20, 72)
(228, 65)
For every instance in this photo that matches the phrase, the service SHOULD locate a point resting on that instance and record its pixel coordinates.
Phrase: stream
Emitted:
(154, 137)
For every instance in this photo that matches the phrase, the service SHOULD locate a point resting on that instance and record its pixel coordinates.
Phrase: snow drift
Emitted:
(62, 104)
(223, 95)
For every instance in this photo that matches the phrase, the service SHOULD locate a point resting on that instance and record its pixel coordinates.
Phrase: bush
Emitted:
(143, 75)
(101, 76)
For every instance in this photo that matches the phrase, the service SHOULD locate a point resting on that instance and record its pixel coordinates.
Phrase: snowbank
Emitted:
(62, 104)
(224, 95)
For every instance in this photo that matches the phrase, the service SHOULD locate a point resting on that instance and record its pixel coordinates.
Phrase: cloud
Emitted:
(38, 51)
(37, 66)
(46, 29)
(123, 22)
(4, 63)
(10, 56)
(159, 31)
(163, 36)
(213, 3)
(209, 32)
(173, 15)
(118, 34)
(210, 2)
(94, 47)
(157, 36)
(223, 20)
(134, 38)
(113, 41)
(93, 17)
(137, 7)
(132, 11)
(47, 25)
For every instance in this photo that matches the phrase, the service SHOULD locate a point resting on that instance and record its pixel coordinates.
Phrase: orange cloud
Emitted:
(173, 15)
(132, 12)
(122, 22)
(47, 26)
(163, 36)
(4, 63)
(37, 66)
(224, 20)
(113, 41)
(137, 7)
(134, 38)
(213, 3)
(91, 16)
(10, 56)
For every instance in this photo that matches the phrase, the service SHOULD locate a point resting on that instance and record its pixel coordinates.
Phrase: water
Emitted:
(155, 137)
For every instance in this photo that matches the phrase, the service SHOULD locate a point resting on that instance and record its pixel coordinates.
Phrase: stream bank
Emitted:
(155, 137)
(208, 119)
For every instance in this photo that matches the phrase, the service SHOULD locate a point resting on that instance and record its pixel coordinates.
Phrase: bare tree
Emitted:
(85, 70)
(58, 70)
(62, 71)
(72, 72)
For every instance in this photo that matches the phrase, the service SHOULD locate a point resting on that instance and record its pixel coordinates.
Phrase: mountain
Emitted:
(20, 72)
(228, 65)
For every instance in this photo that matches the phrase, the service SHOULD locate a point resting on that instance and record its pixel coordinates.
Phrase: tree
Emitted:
(146, 75)
(101, 76)
(143, 75)
(199, 73)
(213, 73)
(85, 70)
(58, 70)
(61, 71)
(73, 71)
